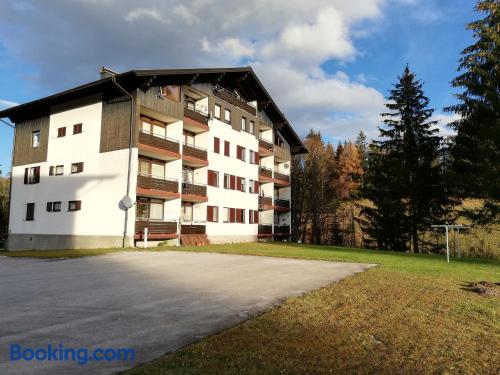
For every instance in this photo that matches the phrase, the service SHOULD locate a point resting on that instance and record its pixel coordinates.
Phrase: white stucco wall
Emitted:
(100, 186)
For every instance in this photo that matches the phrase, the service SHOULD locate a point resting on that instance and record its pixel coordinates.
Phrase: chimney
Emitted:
(106, 72)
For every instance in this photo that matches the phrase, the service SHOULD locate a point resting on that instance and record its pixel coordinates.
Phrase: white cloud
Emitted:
(443, 120)
(145, 13)
(233, 47)
(7, 103)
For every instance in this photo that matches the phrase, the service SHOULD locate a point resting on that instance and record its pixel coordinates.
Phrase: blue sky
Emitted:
(329, 64)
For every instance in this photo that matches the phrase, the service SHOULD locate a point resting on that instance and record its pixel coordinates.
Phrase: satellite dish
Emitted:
(287, 166)
(126, 202)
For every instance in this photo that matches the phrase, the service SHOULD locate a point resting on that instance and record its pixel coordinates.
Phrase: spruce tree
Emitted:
(476, 152)
(362, 148)
(405, 180)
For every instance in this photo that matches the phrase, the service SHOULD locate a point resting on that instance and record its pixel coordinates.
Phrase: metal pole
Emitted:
(447, 246)
(146, 230)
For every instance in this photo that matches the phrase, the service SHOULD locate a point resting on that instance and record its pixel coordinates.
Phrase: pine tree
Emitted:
(476, 153)
(405, 180)
(362, 148)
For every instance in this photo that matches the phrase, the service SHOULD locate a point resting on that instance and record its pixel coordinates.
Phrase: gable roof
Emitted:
(243, 79)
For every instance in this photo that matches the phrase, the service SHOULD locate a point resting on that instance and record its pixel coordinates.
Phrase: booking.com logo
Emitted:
(61, 353)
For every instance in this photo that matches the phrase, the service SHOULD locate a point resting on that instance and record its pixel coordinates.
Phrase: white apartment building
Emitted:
(193, 155)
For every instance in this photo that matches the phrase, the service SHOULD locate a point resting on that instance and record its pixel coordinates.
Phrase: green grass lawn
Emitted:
(411, 315)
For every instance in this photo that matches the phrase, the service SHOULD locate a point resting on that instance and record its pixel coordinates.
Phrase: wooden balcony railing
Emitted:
(266, 172)
(195, 152)
(281, 177)
(193, 228)
(196, 115)
(194, 189)
(146, 138)
(265, 201)
(265, 144)
(234, 100)
(282, 202)
(265, 229)
(150, 182)
(155, 226)
(282, 229)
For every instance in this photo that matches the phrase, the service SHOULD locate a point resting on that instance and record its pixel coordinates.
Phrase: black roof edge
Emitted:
(296, 144)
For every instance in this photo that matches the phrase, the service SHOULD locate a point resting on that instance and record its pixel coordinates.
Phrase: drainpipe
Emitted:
(131, 127)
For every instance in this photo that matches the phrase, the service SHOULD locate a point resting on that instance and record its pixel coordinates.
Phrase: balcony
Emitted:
(265, 147)
(192, 192)
(281, 204)
(194, 156)
(156, 187)
(194, 227)
(281, 155)
(265, 174)
(265, 202)
(281, 230)
(195, 121)
(265, 230)
(281, 179)
(158, 147)
(157, 229)
(231, 98)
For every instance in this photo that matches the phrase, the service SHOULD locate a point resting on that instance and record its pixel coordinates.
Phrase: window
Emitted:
(149, 209)
(226, 148)
(77, 128)
(35, 138)
(188, 175)
(226, 181)
(251, 128)
(253, 216)
(240, 215)
(77, 167)
(57, 170)
(213, 214)
(244, 124)
(240, 153)
(74, 205)
(251, 186)
(31, 175)
(243, 185)
(252, 157)
(187, 211)
(54, 206)
(30, 212)
(188, 138)
(213, 178)
(154, 127)
(277, 140)
(225, 215)
(216, 145)
(61, 132)
(227, 116)
(151, 167)
(217, 111)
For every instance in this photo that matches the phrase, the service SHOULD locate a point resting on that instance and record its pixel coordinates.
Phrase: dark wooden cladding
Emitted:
(282, 229)
(193, 189)
(193, 229)
(115, 125)
(265, 144)
(24, 152)
(147, 182)
(163, 143)
(196, 116)
(281, 177)
(164, 106)
(265, 229)
(282, 202)
(265, 201)
(160, 227)
(231, 99)
(195, 152)
(266, 172)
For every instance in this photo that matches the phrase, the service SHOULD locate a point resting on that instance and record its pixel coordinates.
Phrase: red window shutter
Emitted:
(239, 150)
(37, 174)
(210, 213)
(226, 148)
(232, 182)
(26, 172)
(250, 216)
(238, 183)
(232, 215)
(238, 215)
(210, 178)
(256, 187)
(257, 158)
(256, 217)
(216, 145)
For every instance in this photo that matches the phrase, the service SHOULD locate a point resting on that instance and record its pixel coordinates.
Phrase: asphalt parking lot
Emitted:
(151, 302)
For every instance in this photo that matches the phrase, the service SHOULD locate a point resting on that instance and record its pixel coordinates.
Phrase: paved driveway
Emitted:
(151, 302)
